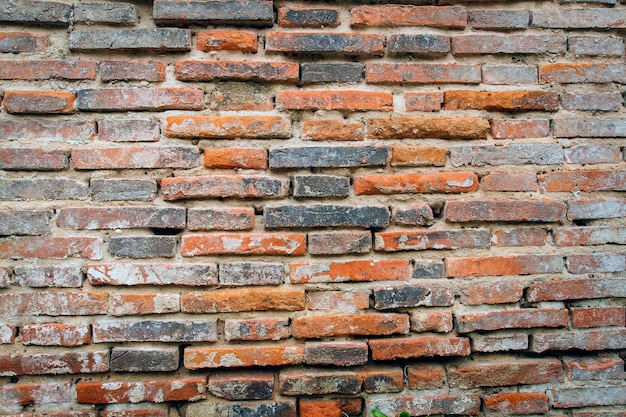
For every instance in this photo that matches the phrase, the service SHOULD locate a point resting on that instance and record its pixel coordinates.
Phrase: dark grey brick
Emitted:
(320, 186)
(251, 273)
(247, 409)
(175, 331)
(499, 19)
(237, 386)
(335, 353)
(35, 12)
(376, 217)
(429, 268)
(418, 44)
(43, 189)
(328, 157)
(123, 190)
(589, 396)
(170, 39)
(113, 13)
(327, 72)
(92, 218)
(319, 382)
(311, 18)
(138, 247)
(143, 359)
(538, 154)
(419, 214)
(232, 12)
(25, 222)
(407, 297)
(339, 242)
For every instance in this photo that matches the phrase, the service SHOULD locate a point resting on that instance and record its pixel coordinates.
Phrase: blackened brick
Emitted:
(122, 189)
(251, 273)
(16, 42)
(328, 156)
(170, 39)
(223, 218)
(331, 72)
(238, 386)
(319, 215)
(335, 353)
(318, 382)
(499, 19)
(418, 44)
(403, 297)
(24, 222)
(113, 13)
(232, 12)
(307, 17)
(428, 268)
(35, 12)
(144, 359)
(325, 43)
(241, 408)
(142, 246)
(320, 186)
(107, 331)
(419, 214)
(122, 217)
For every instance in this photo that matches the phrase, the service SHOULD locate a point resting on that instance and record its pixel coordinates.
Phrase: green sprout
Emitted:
(378, 413)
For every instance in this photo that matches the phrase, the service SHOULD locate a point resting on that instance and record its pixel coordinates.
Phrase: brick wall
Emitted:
(249, 208)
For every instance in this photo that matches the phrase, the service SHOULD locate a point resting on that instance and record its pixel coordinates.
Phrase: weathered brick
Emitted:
(345, 43)
(424, 405)
(512, 319)
(251, 408)
(589, 340)
(121, 189)
(423, 44)
(331, 129)
(505, 211)
(25, 222)
(509, 101)
(595, 45)
(223, 218)
(493, 293)
(504, 265)
(131, 130)
(417, 156)
(287, 244)
(43, 189)
(248, 299)
(235, 158)
(335, 353)
(138, 304)
(17, 42)
(318, 382)
(593, 154)
(240, 96)
(125, 359)
(585, 369)
(47, 69)
(157, 391)
(589, 397)
(54, 363)
(596, 262)
(204, 274)
(320, 186)
(423, 101)
(419, 214)
(221, 186)
(339, 407)
(499, 19)
(122, 217)
(589, 18)
(249, 12)
(33, 159)
(153, 410)
(418, 347)
(327, 156)
(55, 334)
(592, 101)
(509, 74)
(525, 236)
(59, 247)
(228, 127)
(170, 331)
(132, 71)
(36, 13)
(426, 376)
(38, 102)
(428, 127)
(595, 209)
(54, 304)
(330, 72)
(436, 321)
(574, 289)
(251, 273)
(113, 13)
(347, 302)
(427, 182)
(28, 394)
(597, 180)
(590, 235)
(428, 268)
(162, 40)
(256, 329)
(508, 44)
(506, 181)
(344, 100)
(598, 317)
(381, 379)
(138, 247)
(140, 99)
(412, 296)
(514, 372)
(350, 271)
(322, 215)
(518, 403)
(62, 413)
(227, 40)
(518, 129)
(307, 17)
(236, 356)
(237, 70)
(419, 73)
(7, 334)
(238, 386)
(582, 72)
(431, 239)
(366, 324)
(392, 15)
(498, 342)
(522, 154)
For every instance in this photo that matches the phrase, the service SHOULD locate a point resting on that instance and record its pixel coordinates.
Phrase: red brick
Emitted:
(368, 324)
(239, 299)
(228, 127)
(505, 181)
(426, 376)
(423, 101)
(508, 101)
(222, 218)
(330, 129)
(220, 186)
(242, 356)
(419, 73)
(502, 373)
(256, 329)
(7, 334)
(594, 368)
(586, 72)
(598, 317)
(576, 289)
(418, 156)
(350, 271)
(38, 102)
(237, 70)
(37, 394)
(54, 304)
(590, 235)
(227, 40)
(54, 363)
(187, 274)
(58, 247)
(428, 127)
(512, 319)
(330, 407)
(334, 100)
(335, 353)
(135, 157)
(505, 211)
(504, 265)
(16, 42)
(307, 17)
(233, 158)
(418, 347)
(293, 244)
(55, 334)
(431, 239)
(508, 44)
(340, 242)
(346, 43)
(566, 181)
(136, 392)
(33, 159)
(337, 300)
(121, 218)
(392, 15)
(518, 403)
(137, 304)
(427, 182)
(497, 293)
(518, 129)
(381, 379)
(47, 69)
(153, 71)
(436, 321)
(140, 99)
(521, 236)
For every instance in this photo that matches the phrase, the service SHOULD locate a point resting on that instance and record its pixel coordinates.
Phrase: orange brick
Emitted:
(598, 317)
(504, 265)
(331, 129)
(242, 355)
(228, 127)
(227, 40)
(191, 389)
(428, 127)
(423, 101)
(330, 408)
(425, 376)
(517, 403)
(517, 129)
(334, 100)
(418, 156)
(313, 327)
(350, 271)
(245, 158)
(59, 247)
(55, 334)
(510, 101)
(566, 181)
(428, 182)
(240, 299)
(244, 244)
(496, 293)
(38, 102)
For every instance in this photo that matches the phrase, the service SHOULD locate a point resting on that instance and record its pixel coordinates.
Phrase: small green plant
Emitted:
(378, 413)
